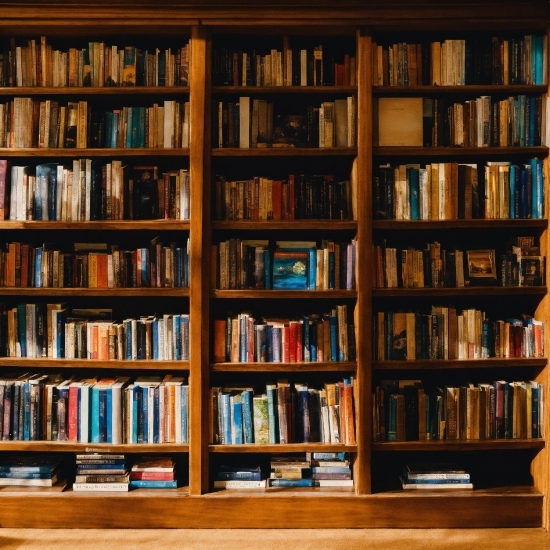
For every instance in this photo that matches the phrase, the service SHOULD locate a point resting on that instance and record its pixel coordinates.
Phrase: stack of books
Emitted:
(239, 477)
(331, 470)
(291, 472)
(435, 476)
(154, 472)
(101, 472)
(31, 471)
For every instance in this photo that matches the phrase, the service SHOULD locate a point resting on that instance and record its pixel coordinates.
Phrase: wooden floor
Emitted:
(265, 539)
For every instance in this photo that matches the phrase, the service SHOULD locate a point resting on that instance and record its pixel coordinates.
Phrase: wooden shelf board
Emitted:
(458, 151)
(92, 91)
(407, 225)
(43, 362)
(442, 364)
(461, 291)
(74, 447)
(285, 90)
(277, 492)
(93, 152)
(284, 448)
(337, 366)
(289, 508)
(479, 89)
(284, 294)
(284, 152)
(70, 291)
(99, 225)
(270, 225)
(459, 445)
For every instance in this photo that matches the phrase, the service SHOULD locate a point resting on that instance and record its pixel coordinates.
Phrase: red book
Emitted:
(339, 74)
(292, 342)
(219, 340)
(73, 412)
(291, 195)
(277, 198)
(286, 344)
(299, 349)
(152, 476)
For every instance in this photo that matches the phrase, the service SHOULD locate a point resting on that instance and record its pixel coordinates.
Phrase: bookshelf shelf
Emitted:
(71, 447)
(284, 90)
(437, 364)
(100, 225)
(93, 152)
(83, 291)
(93, 91)
(285, 294)
(285, 152)
(269, 225)
(113, 364)
(479, 89)
(408, 225)
(459, 152)
(459, 445)
(330, 366)
(462, 291)
(284, 448)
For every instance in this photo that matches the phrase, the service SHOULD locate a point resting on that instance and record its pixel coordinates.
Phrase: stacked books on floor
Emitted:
(239, 477)
(31, 471)
(154, 472)
(101, 472)
(435, 476)
(314, 470)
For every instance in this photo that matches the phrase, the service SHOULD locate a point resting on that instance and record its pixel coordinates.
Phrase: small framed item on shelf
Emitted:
(482, 268)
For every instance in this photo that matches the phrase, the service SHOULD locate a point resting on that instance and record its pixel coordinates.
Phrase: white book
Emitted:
(101, 487)
(168, 133)
(239, 484)
(244, 122)
(334, 482)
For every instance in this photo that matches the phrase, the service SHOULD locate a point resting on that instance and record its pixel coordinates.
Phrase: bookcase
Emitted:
(510, 475)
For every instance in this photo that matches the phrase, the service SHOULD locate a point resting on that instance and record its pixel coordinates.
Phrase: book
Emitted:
(436, 484)
(239, 484)
(153, 484)
(399, 121)
(101, 487)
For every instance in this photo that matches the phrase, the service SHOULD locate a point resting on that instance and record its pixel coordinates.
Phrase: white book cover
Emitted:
(168, 133)
(101, 487)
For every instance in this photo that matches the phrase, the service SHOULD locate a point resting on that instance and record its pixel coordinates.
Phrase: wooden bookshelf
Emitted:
(503, 502)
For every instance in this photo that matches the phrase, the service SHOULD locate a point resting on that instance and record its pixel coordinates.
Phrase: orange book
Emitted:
(101, 271)
(103, 341)
(95, 341)
(277, 197)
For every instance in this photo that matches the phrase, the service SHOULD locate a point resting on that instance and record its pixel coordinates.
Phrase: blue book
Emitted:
(237, 420)
(184, 336)
(282, 482)
(22, 328)
(128, 327)
(303, 414)
(145, 408)
(523, 178)
(83, 467)
(26, 388)
(243, 475)
(331, 270)
(61, 316)
(539, 57)
(156, 413)
(248, 424)
(184, 414)
(109, 415)
(313, 340)
(153, 484)
(414, 184)
(269, 343)
(306, 350)
(129, 132)
(102, 420)
(328, 456)
(25, 475)
(333, 323)
(532, 120)
(94, 424)
(177, 337)
(312, 268)
(290, 270)
(38, 269)
(330, 469)
(272, 413)
(155, 339)
(226, 418)
(114, 132)
(277, 344)
(513, 196)
(136, 392)
(437, 481)
(535, 399)
(108, 129)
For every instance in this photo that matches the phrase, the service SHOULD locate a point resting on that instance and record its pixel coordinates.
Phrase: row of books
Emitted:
(445, 333)
(92, 190)
(438, 268)
(285, 413)
(255, 123)
(432, 476)
(311, 338)
(292, 265)
(407, 410)
(33, 62)
(482, 122)
(58, 331)
(29, 123)
(36, 470)
(95, 265)
(299, 196)
(50, 407)
(312, 66)
(459, 62)
(449, 190)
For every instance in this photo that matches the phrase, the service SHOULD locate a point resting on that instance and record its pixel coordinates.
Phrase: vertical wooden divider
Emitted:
(199, 267)
(363, 316)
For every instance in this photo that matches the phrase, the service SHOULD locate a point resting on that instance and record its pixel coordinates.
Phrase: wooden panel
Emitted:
(118, 364)
(284, 448)
(67, 447)
(94, 91)
(309, 508)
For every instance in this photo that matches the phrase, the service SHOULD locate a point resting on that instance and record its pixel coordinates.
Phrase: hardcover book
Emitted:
(290, 270)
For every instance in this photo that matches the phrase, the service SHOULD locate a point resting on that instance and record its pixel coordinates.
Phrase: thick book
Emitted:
(399, 122)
